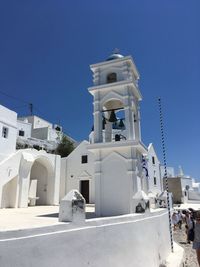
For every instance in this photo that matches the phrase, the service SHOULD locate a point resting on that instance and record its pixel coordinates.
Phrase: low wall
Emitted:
(129, 240)
(193, 195)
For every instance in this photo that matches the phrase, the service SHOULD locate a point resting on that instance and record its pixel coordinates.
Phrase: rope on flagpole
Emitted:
(165, 171)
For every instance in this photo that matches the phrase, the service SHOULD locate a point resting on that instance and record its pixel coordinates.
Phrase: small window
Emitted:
(5, 132)
(112, 77)
(153, 160)
(21, 133)
(84, 159)
(154, 180)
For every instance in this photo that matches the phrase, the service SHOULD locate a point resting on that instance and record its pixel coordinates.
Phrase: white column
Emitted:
(97, 120)
(97, 127)
(97, 174)
(56, 181)
(97, 194)
(130, 129)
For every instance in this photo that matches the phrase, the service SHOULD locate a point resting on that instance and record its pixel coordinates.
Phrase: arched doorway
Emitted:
(41, 184)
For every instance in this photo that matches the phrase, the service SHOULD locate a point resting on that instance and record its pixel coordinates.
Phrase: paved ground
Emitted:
(190, 253)
(36, 217)
(33, 217)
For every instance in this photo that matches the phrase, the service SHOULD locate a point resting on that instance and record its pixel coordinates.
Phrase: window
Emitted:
(153, 160)
(112, 77)
(84, 159)
(21, 133)
(154, 180)
(5, 132)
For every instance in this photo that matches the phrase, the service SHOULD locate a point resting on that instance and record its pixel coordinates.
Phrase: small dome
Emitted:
(114, 56)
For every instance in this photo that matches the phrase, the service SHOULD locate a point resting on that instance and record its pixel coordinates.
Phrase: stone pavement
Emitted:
(190, 253)
(33, 217)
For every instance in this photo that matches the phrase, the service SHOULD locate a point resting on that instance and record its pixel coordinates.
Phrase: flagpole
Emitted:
(165, 171)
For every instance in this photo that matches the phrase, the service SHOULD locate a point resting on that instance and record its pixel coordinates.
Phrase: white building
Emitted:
(113, 172)
(183, 187)
(155, 182)
(8, 132)
(77, 172)
(27, 176)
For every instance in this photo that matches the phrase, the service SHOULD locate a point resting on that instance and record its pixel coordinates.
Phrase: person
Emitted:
(189, 224)
(174, 220)
(196, 243)
(180, 219)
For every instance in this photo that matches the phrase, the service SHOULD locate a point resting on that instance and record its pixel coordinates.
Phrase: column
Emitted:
(97, 120)
(130, 129)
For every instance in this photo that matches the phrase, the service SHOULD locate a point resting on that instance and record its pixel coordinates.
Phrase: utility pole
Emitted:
(165, 173)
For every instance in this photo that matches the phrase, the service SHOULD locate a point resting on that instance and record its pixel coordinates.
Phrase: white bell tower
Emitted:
(116, 140)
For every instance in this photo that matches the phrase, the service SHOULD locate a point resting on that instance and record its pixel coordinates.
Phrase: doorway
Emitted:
(84, 186)
(39, 175)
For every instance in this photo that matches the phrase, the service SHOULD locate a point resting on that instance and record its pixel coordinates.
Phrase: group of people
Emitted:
(191, 219)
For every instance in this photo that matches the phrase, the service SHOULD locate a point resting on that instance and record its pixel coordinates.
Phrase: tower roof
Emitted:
(114, 55)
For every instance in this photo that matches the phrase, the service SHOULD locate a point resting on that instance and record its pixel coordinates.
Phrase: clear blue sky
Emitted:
(46, 47)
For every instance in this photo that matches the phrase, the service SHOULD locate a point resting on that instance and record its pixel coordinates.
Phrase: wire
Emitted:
(30, 106)
(16, 98)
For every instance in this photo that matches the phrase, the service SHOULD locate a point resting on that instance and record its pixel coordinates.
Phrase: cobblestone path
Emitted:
(190, 253)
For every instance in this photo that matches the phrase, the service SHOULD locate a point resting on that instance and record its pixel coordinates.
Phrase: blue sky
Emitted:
(46, 48)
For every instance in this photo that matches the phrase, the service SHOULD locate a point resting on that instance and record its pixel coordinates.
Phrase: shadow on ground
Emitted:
(89, 215)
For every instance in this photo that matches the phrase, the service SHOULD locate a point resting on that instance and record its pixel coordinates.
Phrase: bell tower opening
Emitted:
(111, 77)
(113, 121)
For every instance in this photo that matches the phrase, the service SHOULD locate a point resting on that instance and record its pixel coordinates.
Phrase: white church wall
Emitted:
(76, 171)
(8, 132)
(155, 183)
(116, 171)
(114, 179)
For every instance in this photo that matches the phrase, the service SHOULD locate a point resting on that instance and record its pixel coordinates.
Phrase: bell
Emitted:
(113, 117)
(121, 123)
(103, 123)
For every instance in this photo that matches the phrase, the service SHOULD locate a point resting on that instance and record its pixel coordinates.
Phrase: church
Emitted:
(108, 170)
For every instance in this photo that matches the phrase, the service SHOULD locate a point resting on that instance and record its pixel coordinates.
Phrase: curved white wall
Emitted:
(131, 240)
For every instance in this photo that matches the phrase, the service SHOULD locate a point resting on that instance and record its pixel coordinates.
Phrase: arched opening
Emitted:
(41, 184)
(112, 77)
(113, 121)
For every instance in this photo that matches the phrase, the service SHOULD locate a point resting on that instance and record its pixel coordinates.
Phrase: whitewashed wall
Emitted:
(8, 118)
(16, 172)
(37, 122)
(73, 171)
(24, 126)
(186, 181)
(154, 171)
(123, 241)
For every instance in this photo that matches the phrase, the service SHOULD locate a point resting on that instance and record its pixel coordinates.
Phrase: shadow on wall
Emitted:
(89, 215)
